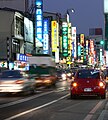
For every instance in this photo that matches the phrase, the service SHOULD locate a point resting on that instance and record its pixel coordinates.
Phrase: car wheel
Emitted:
(32, 90)
(72, 96)
(103, 96)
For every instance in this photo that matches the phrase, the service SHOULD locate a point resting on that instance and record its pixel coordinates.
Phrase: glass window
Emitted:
(15, 46)
(19, 27)
(88, 74)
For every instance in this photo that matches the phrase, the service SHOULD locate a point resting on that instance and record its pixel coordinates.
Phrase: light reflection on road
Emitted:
(63, 84)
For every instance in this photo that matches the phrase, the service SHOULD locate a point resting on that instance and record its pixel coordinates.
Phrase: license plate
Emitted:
(87, 89)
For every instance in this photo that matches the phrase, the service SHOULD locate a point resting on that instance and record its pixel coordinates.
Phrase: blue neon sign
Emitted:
(46, 36)
(21, 57)
(39, 20)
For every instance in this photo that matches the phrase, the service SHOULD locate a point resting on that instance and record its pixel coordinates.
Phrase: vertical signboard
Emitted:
(70, 40)
(65, 39)
(60, 44)
(87, 49)
(54, 35)
(57, 51)
(69, 58)
(82, 39)
(92, 51)
(82, 46)
(74, 40)
(79, 51)
(46, 36)
(39, 20)
(101, 57)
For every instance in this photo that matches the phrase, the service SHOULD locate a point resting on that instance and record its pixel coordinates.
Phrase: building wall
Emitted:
(6, 20)
(15, 4)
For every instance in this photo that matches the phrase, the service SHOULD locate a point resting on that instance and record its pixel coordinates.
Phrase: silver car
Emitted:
(16, 81)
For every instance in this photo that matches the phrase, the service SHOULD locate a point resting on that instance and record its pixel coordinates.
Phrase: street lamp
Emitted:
(67, 14)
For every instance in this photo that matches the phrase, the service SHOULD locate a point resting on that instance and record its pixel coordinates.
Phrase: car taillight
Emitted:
(47, 81)
(101, 84)
(74, 84)
(19, 82)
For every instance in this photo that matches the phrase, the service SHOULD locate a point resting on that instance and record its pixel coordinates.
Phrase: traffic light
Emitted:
(102, 42)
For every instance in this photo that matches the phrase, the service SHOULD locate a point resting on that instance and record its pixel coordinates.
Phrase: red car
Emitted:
(88, 82)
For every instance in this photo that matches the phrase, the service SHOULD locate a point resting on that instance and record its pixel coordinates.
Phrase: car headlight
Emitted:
(69, 74)
(63, 75)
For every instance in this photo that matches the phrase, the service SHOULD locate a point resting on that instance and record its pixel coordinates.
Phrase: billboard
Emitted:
(28, 30)
(105, 6)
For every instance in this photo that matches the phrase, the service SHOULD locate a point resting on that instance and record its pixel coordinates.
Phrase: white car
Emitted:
(16, 81)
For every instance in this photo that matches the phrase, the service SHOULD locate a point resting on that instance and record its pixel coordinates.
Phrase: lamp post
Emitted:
(67, 13)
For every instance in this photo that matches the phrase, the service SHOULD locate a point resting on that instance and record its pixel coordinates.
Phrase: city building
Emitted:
(16, 35)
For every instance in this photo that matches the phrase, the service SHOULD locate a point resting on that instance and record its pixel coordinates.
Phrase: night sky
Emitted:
(88, 13)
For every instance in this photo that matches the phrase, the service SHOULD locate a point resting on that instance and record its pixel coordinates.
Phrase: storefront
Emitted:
(21, 62)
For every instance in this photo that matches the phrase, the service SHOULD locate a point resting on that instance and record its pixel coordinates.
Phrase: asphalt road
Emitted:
(51, 104)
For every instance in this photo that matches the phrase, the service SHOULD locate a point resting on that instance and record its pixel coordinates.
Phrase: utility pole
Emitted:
(8, 52)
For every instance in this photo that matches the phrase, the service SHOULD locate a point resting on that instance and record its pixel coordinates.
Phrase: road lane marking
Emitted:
(39, 107)
(96, 107)
(29, 98)
(24, 100)
(90, 114)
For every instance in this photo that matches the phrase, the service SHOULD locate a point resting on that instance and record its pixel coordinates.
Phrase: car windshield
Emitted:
(88, 74)
(42, 70)
(10, 74)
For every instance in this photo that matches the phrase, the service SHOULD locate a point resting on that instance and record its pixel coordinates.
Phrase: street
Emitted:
(50, 104)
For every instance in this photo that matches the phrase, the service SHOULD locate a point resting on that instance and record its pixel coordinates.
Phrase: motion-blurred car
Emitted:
(61, 74)
(15, 81)
(68, 74)
(88, 82)
(45, 75)
(2, 69)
